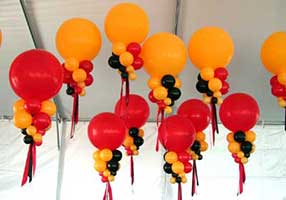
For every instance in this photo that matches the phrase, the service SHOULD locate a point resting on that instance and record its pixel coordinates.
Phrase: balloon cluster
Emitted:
(278, 90)
(126, 59)
(239, 113)
(133, 141)
(35, 76)
(199, 145)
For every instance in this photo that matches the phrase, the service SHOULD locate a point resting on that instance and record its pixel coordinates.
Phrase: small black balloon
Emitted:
(198, 152)
(246, 147)
(239, 136)
(175, 175)
(133, 132)
(124, 75)
(200, 157)
(138, 141)
(24, 132)
(174, 93)
(70, 91)
(178, 179)
(28, 139)
(196, 146)
(209, 93)
(168, 81)
(116, 155)
(173, 103)
(114, 62)
(214, 100)
(200, 78)
(121, 68)
(202, 87)
(167, 168)
(113, 166)
(113, 173)
(247, 155)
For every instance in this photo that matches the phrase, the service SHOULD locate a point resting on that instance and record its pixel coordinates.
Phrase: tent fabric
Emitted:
(68, 174)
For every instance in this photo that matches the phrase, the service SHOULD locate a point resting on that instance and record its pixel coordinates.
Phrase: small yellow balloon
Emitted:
(240, 154)
(132, 76)
(204, 146)
(207, 99)
(154, 83)
(217, 94)
(105, 155)
(79, 75)
(173, 180)
(234, 147)
(126, 59)
(211, 47)
(207, 73)
(168, 109)
(178, 167)
(230, 137)
(136, 153)
(22, 119)
(133, 147)
(48, 107)
(244, 160)
(96, 155)
(83, 92)
(126, 22)
(273, 53)
(19, 105)
(100, 165)
(282, 103)
(171, 157)
(111, 178)
(282, 78)
(200, 136)
(37, 137)
(215, 84)
(78, 38)
(178, 83)
(250, 136)
(106, 173)
(160, 93)
(167, 101)
(118, 48)
(128, 141)
(31, 130)
(141, 132)
(164, 53)
(130, 68)
(71, 64)
(81, 84)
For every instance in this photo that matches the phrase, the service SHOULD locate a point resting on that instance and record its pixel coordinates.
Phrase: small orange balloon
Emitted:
(207, 73)
(48, 107)
(171, 157)
(234, 147)
(126, 59)
(160, 93)
(215, 84)
(230, 137)
(178, 167)
(273, 53)
(0, 38)
(19, 105)
(211, 47)
(164, 53)
(118, 48)
(22, 119)
(200, 136)
(79, 75)
(204, 146)
(78, 38)
(154, 83)
(100, 165)
(105, 154)
(31, 130)
(250, 136)
(126, 22)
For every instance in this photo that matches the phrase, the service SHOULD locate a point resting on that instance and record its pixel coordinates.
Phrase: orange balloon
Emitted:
(164, 53)
(126, 22)
(273, 53)
(78, 38)
(211, 47)
(0, 38)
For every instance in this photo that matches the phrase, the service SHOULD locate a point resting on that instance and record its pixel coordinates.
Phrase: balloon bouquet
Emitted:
(106, 131)
(164, 56)
(177, 134)
(211, 50)
(36, 76)
(135, 115)
(239, 113)
(273, 56)
(199, 114)
(126, 26)
(78, 41)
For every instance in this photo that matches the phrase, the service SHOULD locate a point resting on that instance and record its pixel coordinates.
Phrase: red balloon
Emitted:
(274, 81)
(41, 121)
(151, 97)
(221, 73)
(106, 130)
(138, 63)
(225, 87)
(187, 167)
(239, 111)
(278, 90)
(196, 111)
(36, 74)
(89, 80)
(86, 65)
(32, 106)
(184, 157)
(134, 48)
(136, 113)
(176, 133)
(67, 75)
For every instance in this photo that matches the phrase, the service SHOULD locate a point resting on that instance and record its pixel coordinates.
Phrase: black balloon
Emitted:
(246, 147)
(247, 155)
(174, 93)
(200, 157)
(168, 168)
(24, 132)
(28, 139)
(114, 62)
(124, 75)
(196, 146)
(70, 91)
(178, 179)
(200, 78)
(239, 136)
(116, 155)
(168, 81)
(133, 132)
(138, 141)
(175, 175)
(202, 87)
(214, 100)
(113, 166)
(113, 173)
(209, 93)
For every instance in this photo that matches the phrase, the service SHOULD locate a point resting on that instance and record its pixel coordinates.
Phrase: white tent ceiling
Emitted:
(248, 22)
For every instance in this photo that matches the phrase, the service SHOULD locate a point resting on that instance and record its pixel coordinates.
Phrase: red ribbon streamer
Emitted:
(132, 169)
(180, 196)
(160, 114)
(127, 90)
(75, 111)
(195, 180)
(108, 192)
(30, 165)
(214, 122)
(242, 178)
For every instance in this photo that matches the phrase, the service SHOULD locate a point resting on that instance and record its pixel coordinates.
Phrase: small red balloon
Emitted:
(239, 112)
(134, 48)
(67, 75)
(106, 130)
(86, 65)
(225, 87)
(278, 90)
(32, 106)
(274, 81)
(39, 143)
(135, 113)
(184, 157)
(41, 121)
(151, 97)
(187, 167)
(221, 73)
(89, 80)
(138, 63)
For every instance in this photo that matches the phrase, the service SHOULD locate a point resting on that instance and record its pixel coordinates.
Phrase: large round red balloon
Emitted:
(36, 75)
(239, 111)
(176, 133)
(106, 130)
(196, 111)
(135, 113)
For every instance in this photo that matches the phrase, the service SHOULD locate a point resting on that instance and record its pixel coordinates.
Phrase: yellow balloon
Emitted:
(22, 119)
(164, 53)
(160, 93)
(154, 83)
(71, 64)
(100, 165)
(171, 157)
(178, 167)
(215, 84)
(200, 136)
(207, 73)
(106, 154)
(126, 22)
(126, 59)
(19, 105)
(250, 136)
(79, 75)
(273, 53)
(204, 146)
(78, 38)
(37, 137)
(48, 107)
(96, 155)
(31, 130)
(211, 47)
(178, 83)
(118, 48)
(282, 78)
(234, 147)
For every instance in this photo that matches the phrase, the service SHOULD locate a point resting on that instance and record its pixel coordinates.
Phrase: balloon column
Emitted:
(135, 115)
(239, 113)
(164, 56)
(106, 131)
(78, 41)
(199, 114)
(211, 50)
(273, 56)
(36, 76)
(126, 26)
(177, 134)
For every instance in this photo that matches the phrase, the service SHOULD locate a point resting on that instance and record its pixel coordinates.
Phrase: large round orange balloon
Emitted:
(126, 22)
(78, 38)
(211, 47)
(164, 53)
(273, 53)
